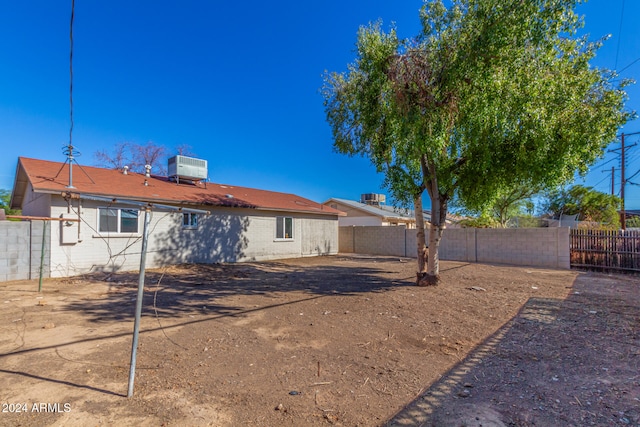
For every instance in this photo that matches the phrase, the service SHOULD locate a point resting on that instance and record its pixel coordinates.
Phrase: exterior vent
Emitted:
(182, 167)
(373, 199)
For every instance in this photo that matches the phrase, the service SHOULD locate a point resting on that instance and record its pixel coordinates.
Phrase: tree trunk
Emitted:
(420, 237)
(438, 215)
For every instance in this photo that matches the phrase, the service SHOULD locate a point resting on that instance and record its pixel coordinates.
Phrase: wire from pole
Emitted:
(71, 77)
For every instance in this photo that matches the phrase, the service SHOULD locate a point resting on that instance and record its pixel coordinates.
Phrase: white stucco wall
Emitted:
(36, 204)
(227, 235)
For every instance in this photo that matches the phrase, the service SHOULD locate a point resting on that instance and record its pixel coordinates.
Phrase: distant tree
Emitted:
(490, 93)
(149, 154)
(185, 150)
(116, 159)
(481, 221)
(5, 202)
(633, 222)
(587, 203)
(135, 156)
(513, 202)
(510, 202)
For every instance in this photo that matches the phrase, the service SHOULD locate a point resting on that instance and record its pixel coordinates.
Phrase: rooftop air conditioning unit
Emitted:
(372, 198)
(189, 168)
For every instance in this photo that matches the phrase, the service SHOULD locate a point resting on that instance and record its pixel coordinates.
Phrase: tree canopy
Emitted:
(489, 94)
(587, 203)
(510, 202)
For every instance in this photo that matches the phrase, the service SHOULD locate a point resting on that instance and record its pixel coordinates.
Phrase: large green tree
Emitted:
(490, 93)
(587, 203)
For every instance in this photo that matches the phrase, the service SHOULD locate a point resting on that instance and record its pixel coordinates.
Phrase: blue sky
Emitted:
(236, 81)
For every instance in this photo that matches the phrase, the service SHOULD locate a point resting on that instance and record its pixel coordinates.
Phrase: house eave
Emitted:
(314, 212)
(185, 203)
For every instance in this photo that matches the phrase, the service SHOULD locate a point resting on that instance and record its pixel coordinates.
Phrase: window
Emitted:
(114, 220)
(284, 227)
(189, 220)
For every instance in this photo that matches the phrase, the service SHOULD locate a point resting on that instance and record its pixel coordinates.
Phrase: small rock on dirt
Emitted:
(464, 393)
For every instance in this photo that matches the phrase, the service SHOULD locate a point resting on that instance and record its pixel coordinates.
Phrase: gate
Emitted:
(614, 250)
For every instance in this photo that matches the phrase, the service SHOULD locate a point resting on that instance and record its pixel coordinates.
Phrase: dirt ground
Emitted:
(342, 340)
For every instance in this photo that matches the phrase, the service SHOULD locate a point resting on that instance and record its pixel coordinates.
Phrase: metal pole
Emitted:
(44, 237)
(136, 325)
(613, 180)
(623, 216)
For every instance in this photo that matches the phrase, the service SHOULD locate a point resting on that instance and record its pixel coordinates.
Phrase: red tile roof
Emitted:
(53, 177)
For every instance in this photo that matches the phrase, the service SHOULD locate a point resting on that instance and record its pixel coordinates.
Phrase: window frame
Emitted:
(281, 229)
(190, 225)
(118, 222)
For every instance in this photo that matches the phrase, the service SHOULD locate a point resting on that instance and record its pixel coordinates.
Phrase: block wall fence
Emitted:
(21, 250)
(21, 246)
(536, 247)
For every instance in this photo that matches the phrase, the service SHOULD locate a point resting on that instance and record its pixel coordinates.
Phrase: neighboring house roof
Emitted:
(53, 178)
(383, 211)
(389, 213)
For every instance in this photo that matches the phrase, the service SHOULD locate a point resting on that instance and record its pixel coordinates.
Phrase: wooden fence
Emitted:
(614, 250)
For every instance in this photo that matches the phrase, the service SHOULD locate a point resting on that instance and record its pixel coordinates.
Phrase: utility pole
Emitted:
(623, 181)
(613, 180)
(623, 215)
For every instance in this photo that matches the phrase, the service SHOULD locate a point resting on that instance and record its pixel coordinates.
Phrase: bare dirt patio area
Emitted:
(341, 340)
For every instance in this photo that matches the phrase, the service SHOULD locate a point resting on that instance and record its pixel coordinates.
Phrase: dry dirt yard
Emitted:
(344, 340)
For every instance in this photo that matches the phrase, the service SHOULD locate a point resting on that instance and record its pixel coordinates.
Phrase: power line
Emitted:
(623, 180)
(602, 180)
(633, 62)
(71, 74)
(608, 161)
(619, 35)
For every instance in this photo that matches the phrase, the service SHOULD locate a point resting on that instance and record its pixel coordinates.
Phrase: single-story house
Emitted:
(364, 213)
(103, 221)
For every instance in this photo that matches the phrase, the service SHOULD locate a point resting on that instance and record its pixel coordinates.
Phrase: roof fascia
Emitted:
(384, 217)
(318, 212)
(183, 203)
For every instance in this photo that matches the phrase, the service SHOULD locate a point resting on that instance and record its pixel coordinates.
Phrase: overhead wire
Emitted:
(619, 35)
(120, 255)
(625, 68)
(637, 172)
(71, 76)
(601, 181)
(598, 165)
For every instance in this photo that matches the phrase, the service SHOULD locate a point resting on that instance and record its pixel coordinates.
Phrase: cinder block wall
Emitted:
(381, 240)
(539, 247)
(373, 240)
(542, 247)
(21, 249)
(458, 244)
(345, 239)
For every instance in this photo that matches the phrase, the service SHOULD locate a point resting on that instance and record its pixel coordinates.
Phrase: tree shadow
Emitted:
(198, 289)
(216, 238)
(543, 342)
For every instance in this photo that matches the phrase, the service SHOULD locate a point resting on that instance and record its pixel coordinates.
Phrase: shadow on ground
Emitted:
(570, 362)
(200, 289)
